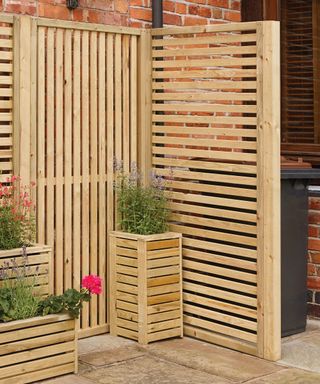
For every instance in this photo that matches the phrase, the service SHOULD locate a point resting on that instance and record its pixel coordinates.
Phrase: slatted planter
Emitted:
(40, 261)
(37, 348)
(146, 286)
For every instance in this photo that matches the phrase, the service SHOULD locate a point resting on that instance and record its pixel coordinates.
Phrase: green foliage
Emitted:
(142, 209)
(70, 301)
(17, 223)
(17, 300)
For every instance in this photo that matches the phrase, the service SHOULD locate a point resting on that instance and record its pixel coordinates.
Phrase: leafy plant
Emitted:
(17, 299)
(142, 209)
(17, 224)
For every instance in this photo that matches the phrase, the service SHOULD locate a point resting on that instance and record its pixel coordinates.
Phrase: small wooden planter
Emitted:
(39, 257)
(37, 348)
(146, 286)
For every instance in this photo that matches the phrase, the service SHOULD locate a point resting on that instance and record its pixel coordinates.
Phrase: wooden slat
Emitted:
(228, 27)
(59, 138)
(76, 235)
(93, 134)
(68, 108)
(218, 39)
(85, 265)
(208, 62)
(102, 171)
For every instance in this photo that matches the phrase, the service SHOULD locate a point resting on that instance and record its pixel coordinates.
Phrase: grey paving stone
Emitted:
(112, 356)
(68, 379)
(303, 351)
(102, 343)
(150, 370)
(288, 376)
(218, 361)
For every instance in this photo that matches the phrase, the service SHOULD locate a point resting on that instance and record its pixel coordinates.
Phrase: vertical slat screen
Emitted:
(207, 110)
(87, 105)
(6, 98)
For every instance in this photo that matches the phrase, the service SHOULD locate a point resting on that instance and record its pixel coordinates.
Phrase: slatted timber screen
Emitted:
(82, 80)
(215, 130)
(6, 93)
(300, 70)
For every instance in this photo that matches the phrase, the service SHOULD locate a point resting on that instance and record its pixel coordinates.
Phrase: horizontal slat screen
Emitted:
(6, 99)
(205, 141)
(300, 43)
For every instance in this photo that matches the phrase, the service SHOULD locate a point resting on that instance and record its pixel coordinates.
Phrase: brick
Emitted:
(313, 282)
(194, 20)
(96, 16)
(198, 1)
(314, 203)
(313, 231)
(54, 11)
(312, 271)
(314, 244)
(121, 6)
(204, 12)
(136, 3)
(80, 14)
(235, 4)
(172, 19)
(141, 14)
(168, 5)
(137, 24)
(193, 10)
(232, 16)
(314, 217)
(219, 3)
(314, 310)
(103, 5)
(216, 13)
(314, 257)
(181, 8)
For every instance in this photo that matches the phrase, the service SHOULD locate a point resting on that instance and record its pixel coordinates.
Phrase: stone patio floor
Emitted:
(111, 360)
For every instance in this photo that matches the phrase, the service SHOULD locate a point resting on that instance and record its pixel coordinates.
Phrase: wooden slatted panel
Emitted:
(206, 109)
(299, 66)
(6, 100)
(81, 81)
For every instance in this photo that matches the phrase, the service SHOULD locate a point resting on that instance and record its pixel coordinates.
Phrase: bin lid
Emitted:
(302, 173)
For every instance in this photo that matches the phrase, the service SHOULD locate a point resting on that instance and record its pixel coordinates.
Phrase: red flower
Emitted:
(92, 283)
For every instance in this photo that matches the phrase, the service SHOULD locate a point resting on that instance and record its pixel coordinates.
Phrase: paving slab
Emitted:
(215, 360)
(102, 343)
(68, 379)
(302, 352)
(288, 376)
(112, 356)
(151, 370)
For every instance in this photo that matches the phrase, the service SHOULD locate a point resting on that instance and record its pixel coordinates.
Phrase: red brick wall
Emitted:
(190, 12)
(135, 13)
(314, 258)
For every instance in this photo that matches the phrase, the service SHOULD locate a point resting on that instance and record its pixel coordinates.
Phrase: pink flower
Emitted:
(92, 283)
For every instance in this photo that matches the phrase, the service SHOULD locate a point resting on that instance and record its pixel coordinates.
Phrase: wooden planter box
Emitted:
(37, 349)
(39, 256)
(146, 286)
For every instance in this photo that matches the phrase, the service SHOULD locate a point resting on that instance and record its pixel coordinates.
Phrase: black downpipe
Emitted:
(157, 14)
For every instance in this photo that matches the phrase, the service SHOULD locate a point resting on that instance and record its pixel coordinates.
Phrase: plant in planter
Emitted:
(17, 232)
(146, 280)
(37, 335)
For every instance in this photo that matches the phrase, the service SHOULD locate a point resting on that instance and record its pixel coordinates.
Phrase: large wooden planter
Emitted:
(40, 262)
(146, 286)
(37, 349)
